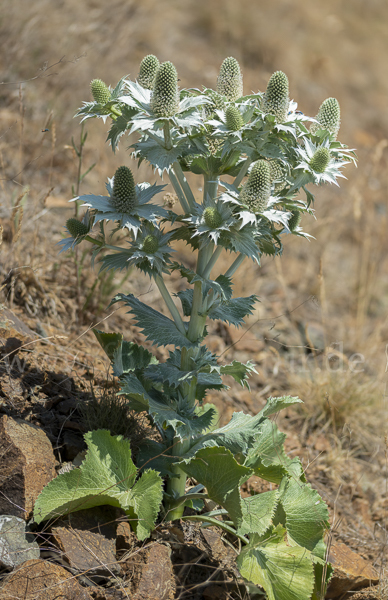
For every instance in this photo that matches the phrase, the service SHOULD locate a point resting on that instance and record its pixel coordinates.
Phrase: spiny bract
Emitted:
(147, 72)
(257, 190)
(150, 244)
(165, 97)
(294, 220)
(276, 100)
(320, 160)
(328, 117)
(234, 120)
(100, 91)
(76, 228)
(229, 82)
(212, 217)
(124, 193)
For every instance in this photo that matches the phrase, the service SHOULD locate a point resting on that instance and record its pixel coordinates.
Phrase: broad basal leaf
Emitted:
(258, 511)
(107, 476)
(268, 457)
(158, 328)
(306, 514)
(284, 572)
(220, 473)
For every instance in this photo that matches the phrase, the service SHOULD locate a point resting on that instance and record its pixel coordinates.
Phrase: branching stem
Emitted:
(170, 304)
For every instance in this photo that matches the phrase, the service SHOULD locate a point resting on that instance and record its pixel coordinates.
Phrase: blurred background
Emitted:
(321, 328)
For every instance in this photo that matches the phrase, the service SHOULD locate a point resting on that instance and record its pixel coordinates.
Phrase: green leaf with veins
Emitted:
(285, 572)
(220, 473)
(106, 476)
(306, 515)
(268, 458)
(258, 512)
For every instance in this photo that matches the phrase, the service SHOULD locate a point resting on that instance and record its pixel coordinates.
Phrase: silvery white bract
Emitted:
(273, 155)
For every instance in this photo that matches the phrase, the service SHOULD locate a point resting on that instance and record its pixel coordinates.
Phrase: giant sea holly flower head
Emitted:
(127, 203)
(147, 72)
(165, 95)
(229, 82)
(257, 190)
(328, 117)
(276, 98)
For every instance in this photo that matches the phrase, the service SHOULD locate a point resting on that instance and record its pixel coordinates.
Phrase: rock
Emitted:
(27, 465)
(218, 550)
(125, 537)
(15, 547)
(351, 571)
(42, 580)
(157, 578)
(87, 540)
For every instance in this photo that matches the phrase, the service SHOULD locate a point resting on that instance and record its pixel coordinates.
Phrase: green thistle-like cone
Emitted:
(229, 82)
(100, 91)
(147, 72)
(212, 217)
(276, 100)
(257, 190)
(328, 117)
(276, 168)
(295, 219)
(124, 194)
(234, 120)
(320, 160)
(76, 228)
(165, 97)
(150, 244)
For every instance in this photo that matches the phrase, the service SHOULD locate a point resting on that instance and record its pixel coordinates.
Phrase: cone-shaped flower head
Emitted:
(165, 97)
(276, 168)
(150, 244)
(76, 228)
(278, 173)
(320, 160)
(276, 100)
(234, 120)
(328, 117)
(100, 91)
(123, 194)
(294, 220)
(147, 72)
(229, 82)
(257, 190)
(212, 217)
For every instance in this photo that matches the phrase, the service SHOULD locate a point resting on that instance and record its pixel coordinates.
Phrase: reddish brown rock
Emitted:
(157, 578)
(88, 540)
(351, 571)
(27, 465)
(42, 580)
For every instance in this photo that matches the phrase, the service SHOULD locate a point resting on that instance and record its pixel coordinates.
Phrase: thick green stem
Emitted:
(115, 111)
(242, 172)
(170, 304)
(184, 184)
(235, 265)
(212, 262)
(179, 192)
(176, 487)
(87, 238)
(210, 187)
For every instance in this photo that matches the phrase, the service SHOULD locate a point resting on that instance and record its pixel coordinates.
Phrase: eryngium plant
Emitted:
(262, 142)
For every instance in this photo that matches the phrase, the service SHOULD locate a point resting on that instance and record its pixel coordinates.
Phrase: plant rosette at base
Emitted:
(266, 146)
